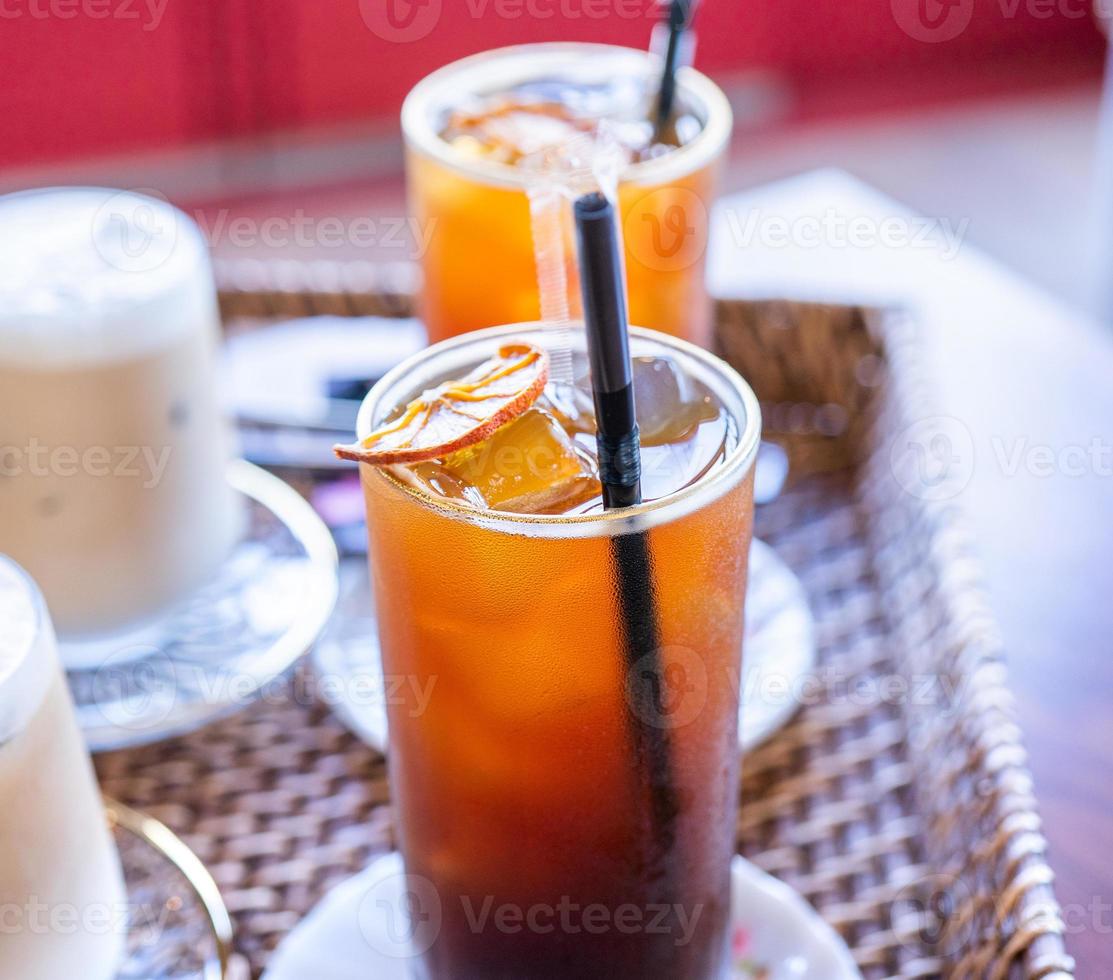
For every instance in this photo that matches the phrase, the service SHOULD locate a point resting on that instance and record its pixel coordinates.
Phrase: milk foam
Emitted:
(26, 654)
(93, 275)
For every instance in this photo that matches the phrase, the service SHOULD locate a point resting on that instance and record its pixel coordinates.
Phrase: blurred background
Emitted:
(985, 112)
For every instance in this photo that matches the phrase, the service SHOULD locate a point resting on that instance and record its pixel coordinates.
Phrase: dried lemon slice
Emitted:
(458, 414)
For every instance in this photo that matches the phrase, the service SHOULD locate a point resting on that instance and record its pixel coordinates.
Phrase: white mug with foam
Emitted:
(112, 443)
(63, 910)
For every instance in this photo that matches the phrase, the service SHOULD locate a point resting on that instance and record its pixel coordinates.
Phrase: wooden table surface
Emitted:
(1027, 386)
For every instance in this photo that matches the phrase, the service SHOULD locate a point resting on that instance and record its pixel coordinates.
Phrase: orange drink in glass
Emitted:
(523, 784)
(469, 194)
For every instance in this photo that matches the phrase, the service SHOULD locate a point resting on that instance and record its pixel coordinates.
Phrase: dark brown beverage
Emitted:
(558, 816)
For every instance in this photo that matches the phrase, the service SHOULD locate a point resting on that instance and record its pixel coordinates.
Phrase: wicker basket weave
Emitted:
(897, 799)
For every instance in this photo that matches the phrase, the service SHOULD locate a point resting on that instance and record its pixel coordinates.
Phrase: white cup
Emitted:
(62, 900)
(112, 444)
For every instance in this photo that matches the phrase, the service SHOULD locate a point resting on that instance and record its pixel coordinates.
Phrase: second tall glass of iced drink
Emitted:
(467, 128)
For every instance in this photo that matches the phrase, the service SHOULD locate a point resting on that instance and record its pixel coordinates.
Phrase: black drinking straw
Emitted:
(608, 347)
(604, 297)
(679, 20)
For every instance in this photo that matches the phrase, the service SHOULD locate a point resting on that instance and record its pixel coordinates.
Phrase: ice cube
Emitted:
(433, 478)
(530, 466)
(467, 145)
(529, 132)
(571, 406)
(683, 430)
(509, 131)
(671, 466)
(670, 406)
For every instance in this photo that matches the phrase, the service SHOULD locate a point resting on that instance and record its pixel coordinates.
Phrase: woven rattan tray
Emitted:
(897, 800)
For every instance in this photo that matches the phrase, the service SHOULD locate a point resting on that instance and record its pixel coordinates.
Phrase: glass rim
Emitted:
(737, 464)
(187, 232)
(419, 132)
(38, 608)
(28, 676)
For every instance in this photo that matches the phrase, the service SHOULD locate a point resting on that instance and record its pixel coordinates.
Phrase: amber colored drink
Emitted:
(529, 821)
(473, 210)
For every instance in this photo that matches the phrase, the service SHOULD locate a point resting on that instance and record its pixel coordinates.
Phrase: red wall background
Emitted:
(86, 77)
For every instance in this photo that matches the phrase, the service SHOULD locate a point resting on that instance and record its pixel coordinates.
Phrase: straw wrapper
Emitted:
(554, 178)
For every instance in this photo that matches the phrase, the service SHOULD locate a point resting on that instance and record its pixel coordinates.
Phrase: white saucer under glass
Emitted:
(361, 930)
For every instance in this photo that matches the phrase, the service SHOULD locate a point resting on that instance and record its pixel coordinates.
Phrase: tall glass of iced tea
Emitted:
(470, 130)
(564, 824)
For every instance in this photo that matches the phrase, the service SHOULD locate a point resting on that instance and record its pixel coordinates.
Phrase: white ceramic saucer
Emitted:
(215, 651)
(354, 933)
(779, 652)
